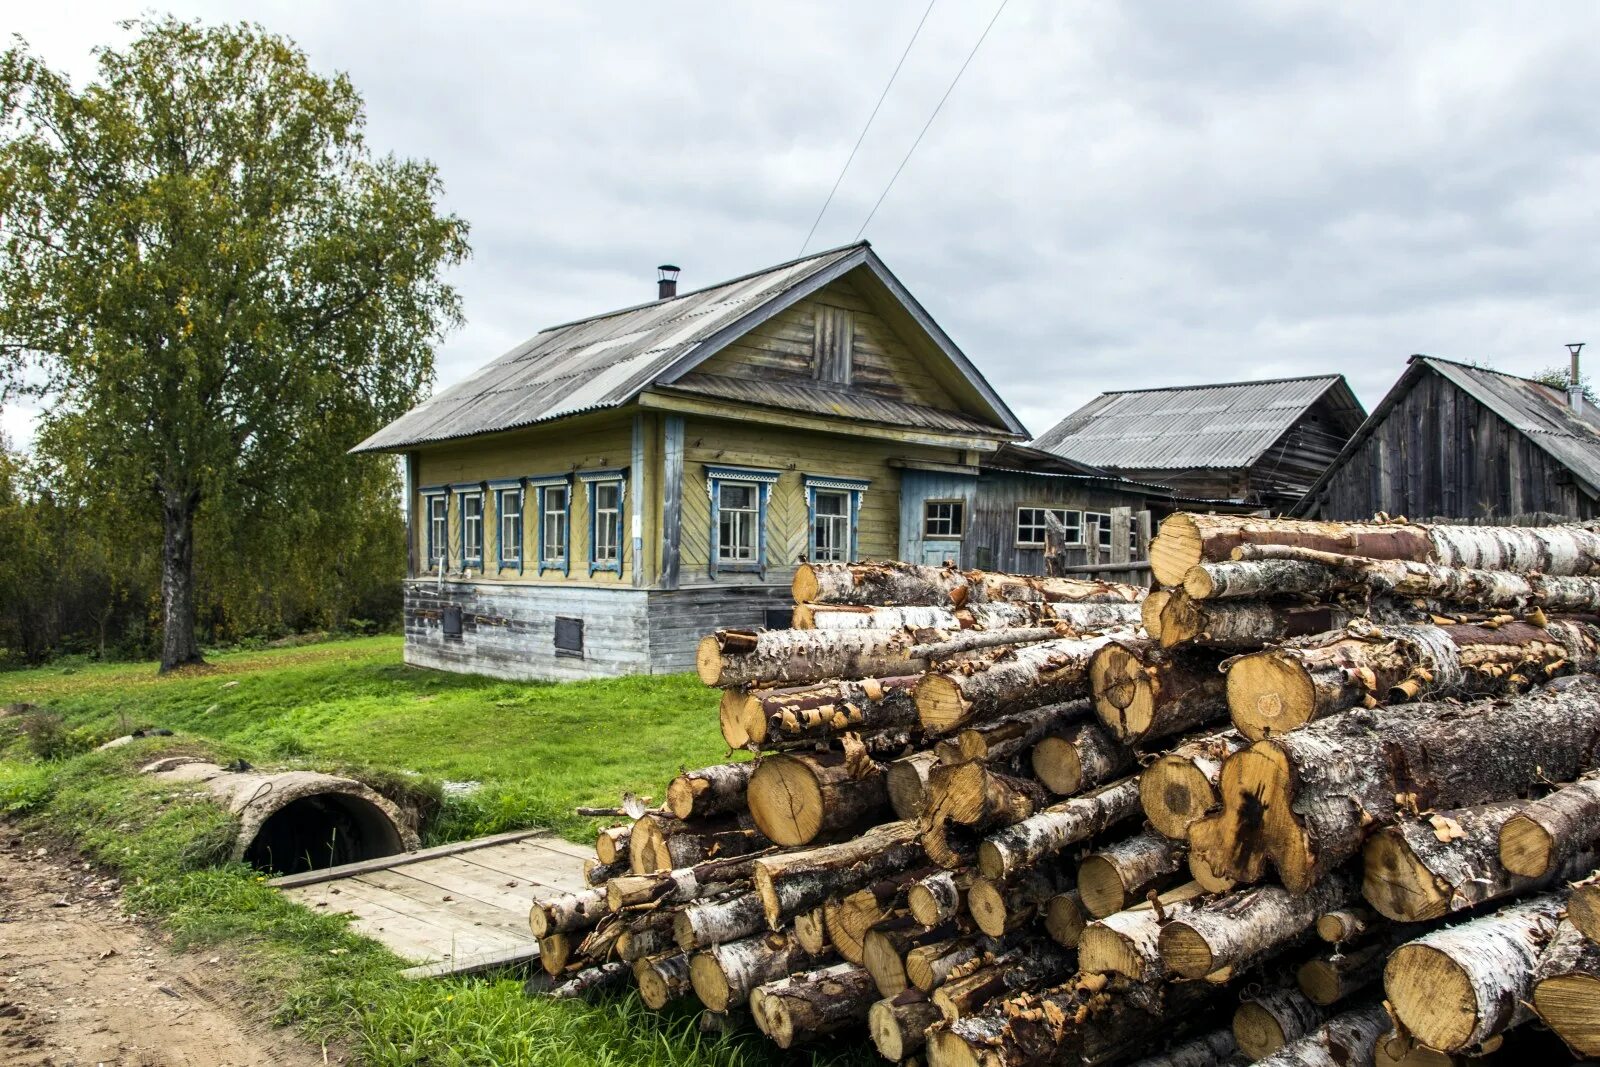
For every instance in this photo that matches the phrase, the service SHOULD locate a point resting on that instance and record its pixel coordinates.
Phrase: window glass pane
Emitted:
(943, 518)
(555, 524)
(737, 496)
(607, 515)
(737, 521)
(830, 526)
(472, 526)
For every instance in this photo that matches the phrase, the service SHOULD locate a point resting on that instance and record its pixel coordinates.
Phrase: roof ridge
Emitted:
(1335, 376)
(705, 288)
(1490, 370)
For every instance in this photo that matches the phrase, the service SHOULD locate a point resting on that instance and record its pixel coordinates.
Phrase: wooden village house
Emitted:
(1451, 440)
(1254, 444)
(598, 498)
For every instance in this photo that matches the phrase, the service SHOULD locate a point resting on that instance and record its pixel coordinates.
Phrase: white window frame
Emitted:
(746, 549)
(560, 520)
(503, 516)
(760, 481)
(847, 525)
(472, 491)
(606, 521)
(1070, 519)
(957, 520)
(438, 550)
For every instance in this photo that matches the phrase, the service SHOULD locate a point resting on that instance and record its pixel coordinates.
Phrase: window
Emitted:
(438, 518)
(833, 505)
(606, 494)
(472, 530)
(737, 524)
(553, 527)
(1104, 541)
(739, 498)
(943, 518)
(569, 636)
(509, 507)
(832, 344)
(1033, 527)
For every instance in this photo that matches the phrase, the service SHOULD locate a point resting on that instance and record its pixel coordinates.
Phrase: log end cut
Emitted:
(1269, 694)
(1175, 549)
(805, 585)
(1124, 694)
(708, 660)
(1174, 793)
(1570, 1005)
(1433, 995)
(786, 801)
(940, 705)
(1526, 847)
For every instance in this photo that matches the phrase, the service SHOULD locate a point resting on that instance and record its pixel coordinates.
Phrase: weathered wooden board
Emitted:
(453, 909)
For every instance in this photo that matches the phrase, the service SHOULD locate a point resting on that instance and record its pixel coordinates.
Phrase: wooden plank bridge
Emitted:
(452, 909)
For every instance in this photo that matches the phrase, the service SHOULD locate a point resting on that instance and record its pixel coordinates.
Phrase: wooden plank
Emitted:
(546, 871)
(452, 935)
(457, 876)
(291, 881)
(428, 901)
(672, 501)
(475, 964)
(402, 935)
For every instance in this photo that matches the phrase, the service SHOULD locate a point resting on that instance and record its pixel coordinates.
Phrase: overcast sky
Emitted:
(1115, 196)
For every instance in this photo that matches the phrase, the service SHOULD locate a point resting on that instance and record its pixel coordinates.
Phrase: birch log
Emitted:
(1566, 990)
(899, 1024)
(1180, 787)
(567, 912)
(897, 583)
(795, 797)
(803, 1006)
(1215, 1049)
(709, 791)
(822, 711)
(1326, 980)
(1307, 800)
(1348, 1038)
(1456, 987)
(907, 782)
(938, 897)
(1548, 834)
(714, 922)
(794, 881)
(1584, 907)
(662, 979)
(1118, 875)
(1128, 942)
(1049, 672)
(1027, 966)
(724, 975)
(1267, 1021)
(1012, 735)
(999, 907)
(1280, 689)
(1057, 827)
(886, 944)
(1246, 625)
(1082, 755)
(1248, 924)
(798, 657)
(1143, 692)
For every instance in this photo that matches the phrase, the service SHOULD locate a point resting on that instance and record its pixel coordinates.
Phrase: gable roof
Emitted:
(1539, 412)
(1227, 426)
(608, 360)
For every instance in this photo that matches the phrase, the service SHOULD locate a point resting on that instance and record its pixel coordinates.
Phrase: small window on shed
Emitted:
(944, 518)
(450, 621)
(569, 636)
(780, 618)
(832, 344)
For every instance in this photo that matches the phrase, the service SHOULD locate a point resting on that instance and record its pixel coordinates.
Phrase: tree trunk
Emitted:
(1186, 540)
(661, 843)
(975, 796)
(1307, 800)
(999, 907)
(899, 1025)
(1215, 1049)
(1246, 625)
(716, 922)
(864, 617)
(1326, 980)
(1267, 1021)
(849, 919)
(884, 949)
(1181, 787)
(1566, 990)
(948, 646)
(810, 929)
(1248, 924)
(662, 979)
(1458, 986)
(1057, 827)
(723, 976)
(1049, 672)
(179, 645)
(647, 933)
(1347, 924)
(907, 782)
(1083, 755)
(1584, 908)
(929, 966)
(804, 1006)
(1347, 1038)
(1128, 942)
(554, 951)
(795, 797)
(566, 913)
(1120, 874)
(1547, 834)
(896, 583)
(1154, 603)
(611, 844)
(1065, 919)
(681, 885)
(1277, 690)
(1143, 692)
(1416, 870)
(597, 874)
(1028, 966)
(795, 881)
(594, 979)
(1014, 734)
(801, 657)
(709, 791)
(938, 897)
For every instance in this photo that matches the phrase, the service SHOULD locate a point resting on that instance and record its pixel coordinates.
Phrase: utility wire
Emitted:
(931, 117)
(881, 97)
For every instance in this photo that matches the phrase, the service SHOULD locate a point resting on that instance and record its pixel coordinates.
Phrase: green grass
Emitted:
(538, 749)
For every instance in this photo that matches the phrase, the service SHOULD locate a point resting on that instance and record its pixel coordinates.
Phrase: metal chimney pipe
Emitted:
(1574, 379)
(666, 281)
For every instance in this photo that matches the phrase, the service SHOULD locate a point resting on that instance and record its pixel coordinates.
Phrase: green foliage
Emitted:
(48, 737)
(1560, 377)
(220, 288)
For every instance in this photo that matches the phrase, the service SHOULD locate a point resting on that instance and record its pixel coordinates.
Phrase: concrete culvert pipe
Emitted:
(294, 821)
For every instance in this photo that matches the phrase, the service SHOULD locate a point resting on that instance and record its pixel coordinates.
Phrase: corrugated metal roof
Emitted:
(607, 360)
(822, 400)
(1186, 427)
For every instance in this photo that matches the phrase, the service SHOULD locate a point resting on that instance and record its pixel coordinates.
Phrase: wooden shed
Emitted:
(1465, 442)
(1256, 444)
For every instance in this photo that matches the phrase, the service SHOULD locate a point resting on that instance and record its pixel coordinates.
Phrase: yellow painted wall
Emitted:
(579, 444)
(882, 363)
(796, 454)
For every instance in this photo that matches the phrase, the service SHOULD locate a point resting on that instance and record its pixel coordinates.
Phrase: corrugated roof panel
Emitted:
(1203, 426)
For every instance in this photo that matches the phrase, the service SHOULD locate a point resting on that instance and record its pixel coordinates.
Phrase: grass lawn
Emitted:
(538, 750)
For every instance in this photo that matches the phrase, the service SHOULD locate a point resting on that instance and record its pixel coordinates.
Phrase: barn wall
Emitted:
(1440, 452)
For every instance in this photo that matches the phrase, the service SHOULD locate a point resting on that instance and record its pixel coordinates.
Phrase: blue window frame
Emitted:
(739, 498)
(833, 509)
(606, 493)
(553, 515)
(469, 540)
(436, 527)
(508, 498)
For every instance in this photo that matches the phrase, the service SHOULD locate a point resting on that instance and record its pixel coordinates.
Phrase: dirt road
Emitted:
(80, 984)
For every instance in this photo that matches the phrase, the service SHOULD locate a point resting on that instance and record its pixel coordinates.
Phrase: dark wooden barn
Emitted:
(1465, 442)
(1258, 444)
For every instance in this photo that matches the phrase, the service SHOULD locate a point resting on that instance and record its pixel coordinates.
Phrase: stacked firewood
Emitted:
(1000, 822)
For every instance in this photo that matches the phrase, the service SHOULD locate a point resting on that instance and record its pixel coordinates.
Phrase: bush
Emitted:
(49, 739)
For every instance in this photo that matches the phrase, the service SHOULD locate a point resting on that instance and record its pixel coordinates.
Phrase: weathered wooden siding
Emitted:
(679, 618)
(508, 629)
(573, 445)
(881, 364)
(1439, 452)
(992, 498)
(1291, 466)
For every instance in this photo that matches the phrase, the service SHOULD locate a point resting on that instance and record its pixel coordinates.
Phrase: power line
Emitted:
(881, 96)
(933, 116)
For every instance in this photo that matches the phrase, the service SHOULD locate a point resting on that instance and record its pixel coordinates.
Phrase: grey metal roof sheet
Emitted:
(1185, 427)
(607, 360)
(821, 400)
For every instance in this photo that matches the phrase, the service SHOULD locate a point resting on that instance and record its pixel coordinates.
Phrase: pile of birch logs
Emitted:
(1330, 795)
